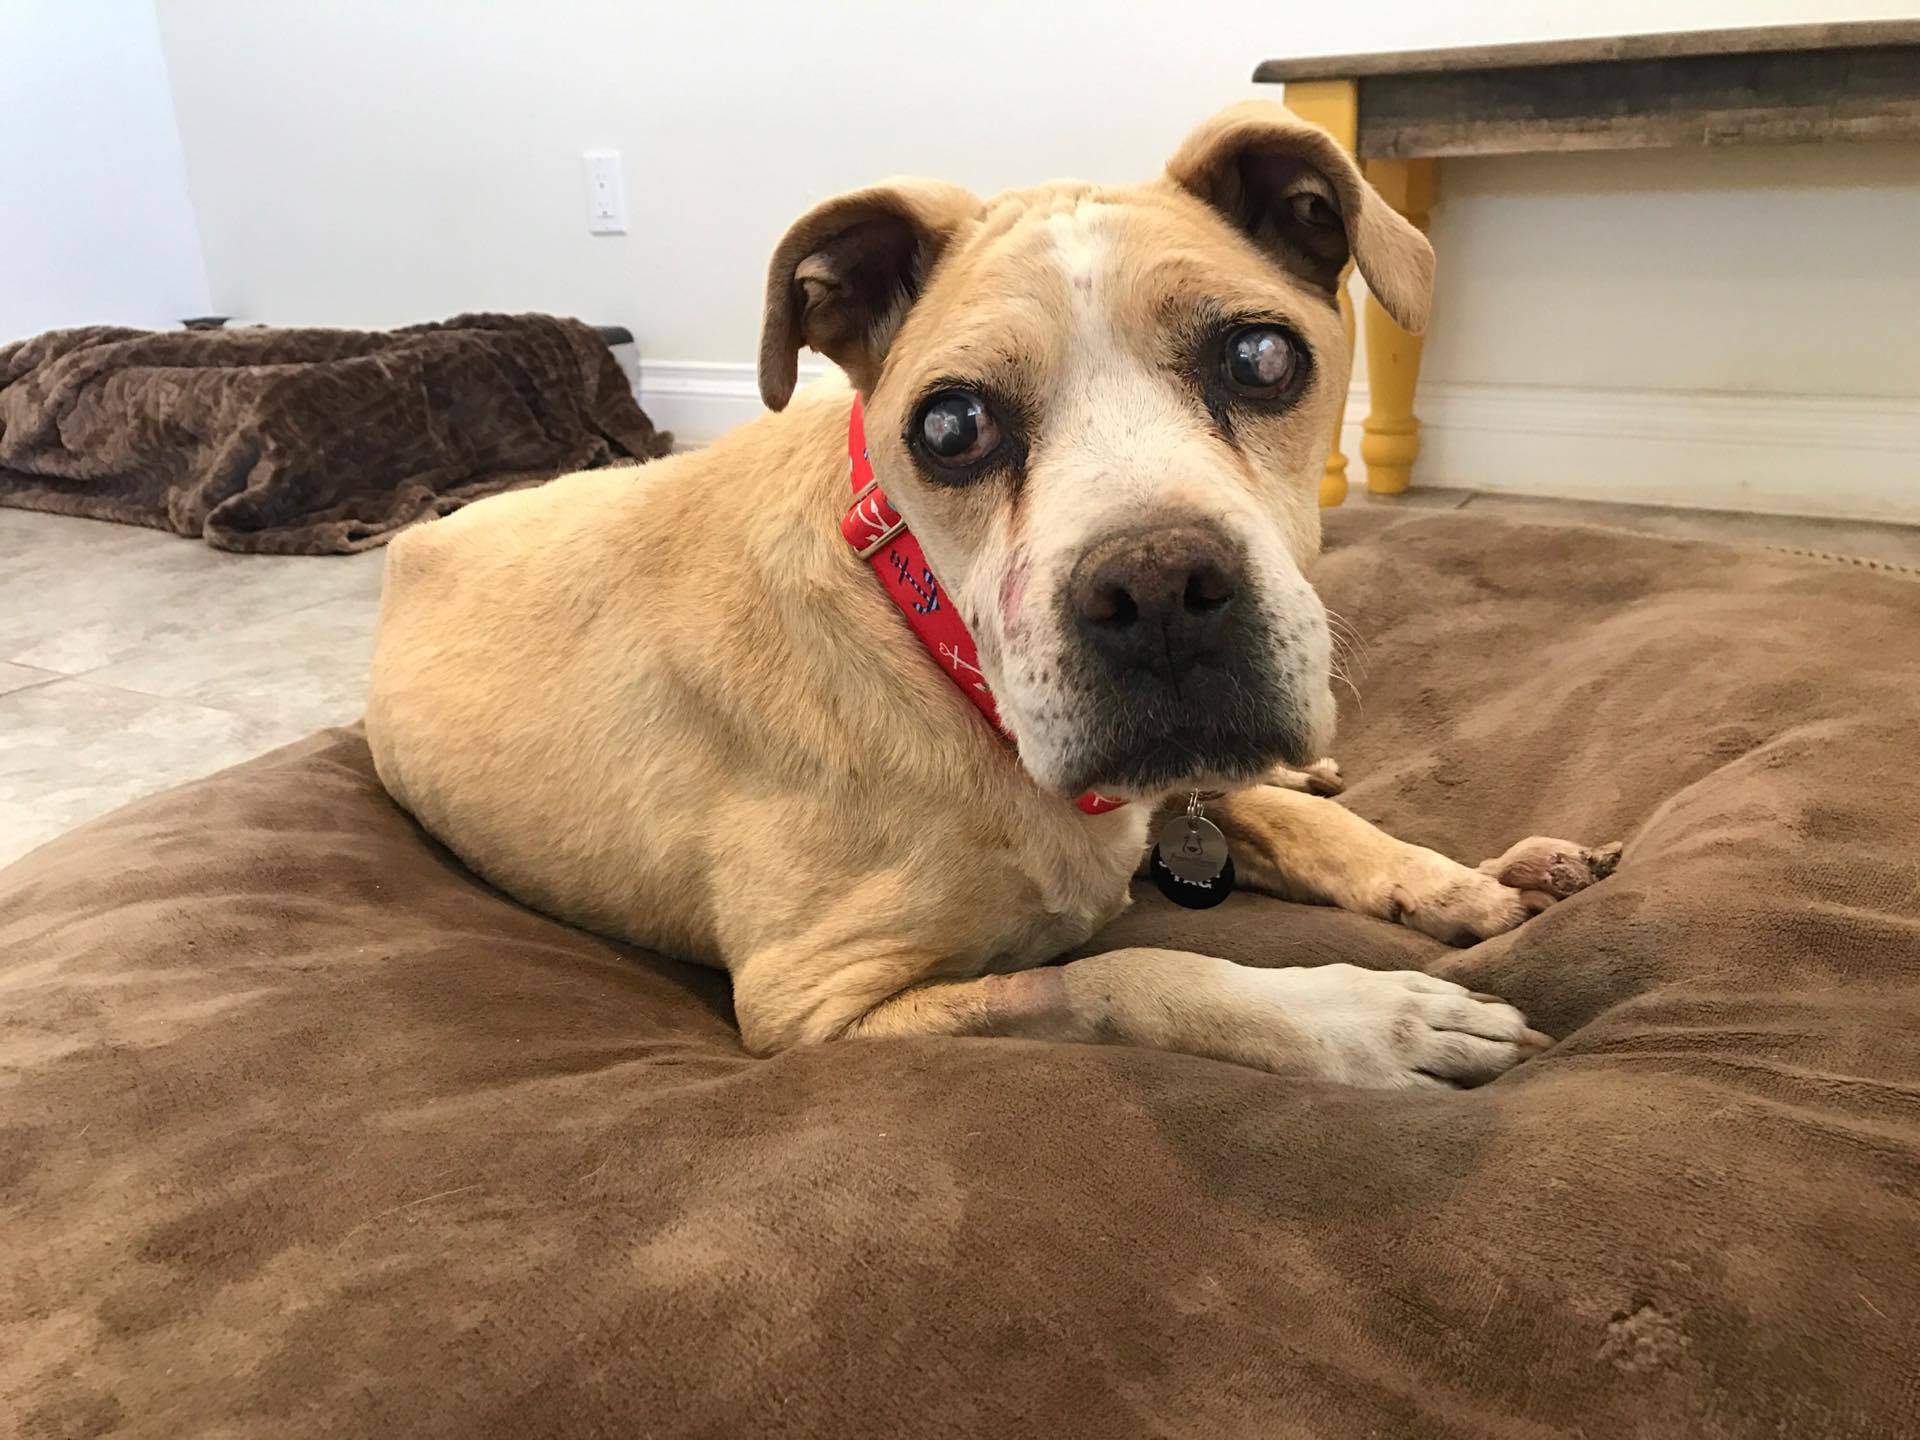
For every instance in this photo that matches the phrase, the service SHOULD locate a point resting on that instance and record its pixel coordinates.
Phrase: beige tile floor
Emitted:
(131, 660)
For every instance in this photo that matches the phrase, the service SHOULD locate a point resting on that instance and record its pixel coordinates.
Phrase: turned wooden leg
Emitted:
(1390, 441)
(1334, 105)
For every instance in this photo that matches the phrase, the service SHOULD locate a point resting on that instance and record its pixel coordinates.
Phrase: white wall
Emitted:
(96, 224)
(380, 161)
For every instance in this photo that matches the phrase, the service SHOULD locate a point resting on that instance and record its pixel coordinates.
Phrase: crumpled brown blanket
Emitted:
(307, 1132)
(307, 442)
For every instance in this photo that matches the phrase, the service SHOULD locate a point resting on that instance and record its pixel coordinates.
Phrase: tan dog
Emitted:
(672, 704)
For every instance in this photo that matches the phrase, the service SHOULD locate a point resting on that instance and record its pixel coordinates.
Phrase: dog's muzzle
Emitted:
(1178, 656)
(1160, 601)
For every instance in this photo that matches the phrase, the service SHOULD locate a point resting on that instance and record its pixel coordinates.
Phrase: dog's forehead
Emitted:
(1067, 257)
(1076, 226)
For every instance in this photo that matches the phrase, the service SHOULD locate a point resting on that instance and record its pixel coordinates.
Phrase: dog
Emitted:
(678, 704)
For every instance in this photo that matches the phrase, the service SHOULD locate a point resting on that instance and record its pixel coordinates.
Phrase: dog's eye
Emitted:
(956, 428)
(1261, 361)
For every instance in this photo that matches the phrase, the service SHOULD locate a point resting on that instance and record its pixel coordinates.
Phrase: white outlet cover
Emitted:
(606, 193)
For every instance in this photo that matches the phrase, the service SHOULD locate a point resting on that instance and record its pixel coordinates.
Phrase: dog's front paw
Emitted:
(1456, 905)
(1322, 777)
(1553, 868)
(1461, 906)
(1401, 1029)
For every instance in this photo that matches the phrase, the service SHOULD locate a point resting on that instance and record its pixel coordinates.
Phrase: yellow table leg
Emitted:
(1333, 105)
(1390, 441)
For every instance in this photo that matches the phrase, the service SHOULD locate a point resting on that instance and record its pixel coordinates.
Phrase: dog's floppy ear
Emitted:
(845, 274)
(1289, 187)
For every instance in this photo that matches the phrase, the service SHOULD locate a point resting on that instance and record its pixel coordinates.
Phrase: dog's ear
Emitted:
(1289, 187)
(845, 274)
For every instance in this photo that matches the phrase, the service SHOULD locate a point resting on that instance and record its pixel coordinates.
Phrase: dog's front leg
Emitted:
(1300, 847)
(1390, 1029)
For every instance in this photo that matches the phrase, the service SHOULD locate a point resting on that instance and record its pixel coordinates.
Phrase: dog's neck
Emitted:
(879, 535)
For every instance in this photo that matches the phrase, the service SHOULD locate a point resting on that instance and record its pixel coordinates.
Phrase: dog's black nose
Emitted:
(1158, 599)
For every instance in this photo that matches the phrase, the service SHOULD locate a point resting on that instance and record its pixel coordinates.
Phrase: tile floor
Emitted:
(131, 660)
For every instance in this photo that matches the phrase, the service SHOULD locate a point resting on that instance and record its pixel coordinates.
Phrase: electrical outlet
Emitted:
(606, 195)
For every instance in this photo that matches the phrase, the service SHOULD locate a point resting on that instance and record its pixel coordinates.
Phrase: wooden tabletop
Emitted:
(1758, 40)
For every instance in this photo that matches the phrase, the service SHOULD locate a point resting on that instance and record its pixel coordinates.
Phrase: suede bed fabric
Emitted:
(308, 1132)
(307, 442)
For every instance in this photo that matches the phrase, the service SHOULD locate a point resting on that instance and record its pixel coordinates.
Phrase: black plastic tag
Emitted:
(1193, 894)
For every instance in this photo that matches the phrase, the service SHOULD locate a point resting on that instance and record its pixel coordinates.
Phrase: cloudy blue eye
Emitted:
(1261, 361)
(956, 428)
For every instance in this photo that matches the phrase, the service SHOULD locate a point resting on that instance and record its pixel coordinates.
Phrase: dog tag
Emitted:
(1192, 894)
(1190, 862)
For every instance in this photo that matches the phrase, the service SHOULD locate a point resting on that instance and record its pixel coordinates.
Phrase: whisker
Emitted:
(1343, 678)
(1345, 633)
(1340, 670)
(1348, 662)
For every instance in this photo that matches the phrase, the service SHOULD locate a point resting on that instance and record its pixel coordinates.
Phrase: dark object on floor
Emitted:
(309, 1133)
(307, 442)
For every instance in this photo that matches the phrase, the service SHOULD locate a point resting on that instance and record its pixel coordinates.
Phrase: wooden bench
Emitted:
(1402, 112)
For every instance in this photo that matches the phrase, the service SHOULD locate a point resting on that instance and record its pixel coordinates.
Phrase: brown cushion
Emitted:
(308, 1132)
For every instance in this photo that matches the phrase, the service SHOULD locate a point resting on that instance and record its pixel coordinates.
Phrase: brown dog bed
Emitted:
(306, 1132)
(307, 442)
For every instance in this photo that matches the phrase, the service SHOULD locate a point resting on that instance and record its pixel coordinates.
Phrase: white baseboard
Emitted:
(700, 400)
(1838, 457)
(1776, 454)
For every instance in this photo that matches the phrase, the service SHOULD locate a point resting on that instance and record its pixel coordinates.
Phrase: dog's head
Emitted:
(1105, 412)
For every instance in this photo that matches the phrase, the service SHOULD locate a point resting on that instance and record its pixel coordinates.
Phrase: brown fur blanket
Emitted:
(307, 442)
(303, 1131)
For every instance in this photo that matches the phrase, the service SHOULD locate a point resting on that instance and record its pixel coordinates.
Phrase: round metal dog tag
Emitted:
(1190, 863)
(1192, 847)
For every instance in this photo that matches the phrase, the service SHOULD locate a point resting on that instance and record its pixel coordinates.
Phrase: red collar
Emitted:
(880, 536)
